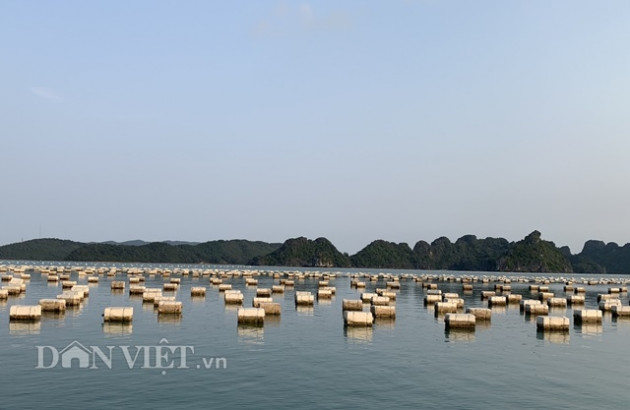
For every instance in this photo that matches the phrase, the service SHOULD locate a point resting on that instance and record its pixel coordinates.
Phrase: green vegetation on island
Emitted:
(319, 253)
(532, 254)
(233, 252)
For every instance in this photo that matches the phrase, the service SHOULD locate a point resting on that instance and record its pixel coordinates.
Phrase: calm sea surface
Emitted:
(306, 359)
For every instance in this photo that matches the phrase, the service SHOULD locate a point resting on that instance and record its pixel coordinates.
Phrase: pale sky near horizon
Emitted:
(352, 120)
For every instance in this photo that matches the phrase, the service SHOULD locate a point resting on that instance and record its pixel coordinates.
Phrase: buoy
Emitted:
(358, 319)
(118, 314)
(67, 284)
(52, 305)
(497, 301)
(304, 298)
(256, 302)
(557, 302)
(150, 294)
(118, 285)
(460, 321)
(197, 291)
(575, 299)
(587, 316)
(606, 296)
(384, 311)
(393, 285)
(444, 307)
(487, 294)
(536, 309)
(233, 297)
(355, 305)
(71, 298)
(136, 289)
(430, 300)
(324, 293)
(81, 288)
(458, 301)
(379, 301)
(251, 316)
(24, 312)
(480, 313)
(514, 299)
(263, 292)
(271, 308)
(606, 305)
(170, 307)
(225, 286)
(620, 311)
(158, 299)
(555, 323)
(170, 287)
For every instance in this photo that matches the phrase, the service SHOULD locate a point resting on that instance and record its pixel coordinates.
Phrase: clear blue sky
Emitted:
(353, 120)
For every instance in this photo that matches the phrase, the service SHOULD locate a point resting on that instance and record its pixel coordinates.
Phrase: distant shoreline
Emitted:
(468, 253)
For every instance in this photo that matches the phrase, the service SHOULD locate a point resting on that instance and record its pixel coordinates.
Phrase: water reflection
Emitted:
(501, 310)
(250, 334)
(305, 310)
(24, 328)
(198, 300)
(459, 335)
(233, 307)
(53, 315)
(358, 334)
(169, 318)
(553, 337)
(589, 328)
(147, 306)
(482, 325)
(74, 310)
(117, 328)
(272, 320)
(385, 323)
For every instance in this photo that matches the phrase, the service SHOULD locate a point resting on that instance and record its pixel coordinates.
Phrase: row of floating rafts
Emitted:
(13, 287)
(113, 271)
(72, 296)
(262, 304)
(380, 304)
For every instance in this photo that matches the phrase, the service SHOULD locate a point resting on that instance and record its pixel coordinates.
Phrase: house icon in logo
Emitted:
(75, 352)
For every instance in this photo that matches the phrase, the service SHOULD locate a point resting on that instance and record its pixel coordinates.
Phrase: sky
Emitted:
(360, 120)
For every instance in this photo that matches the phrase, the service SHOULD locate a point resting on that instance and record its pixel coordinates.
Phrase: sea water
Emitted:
(306, 359)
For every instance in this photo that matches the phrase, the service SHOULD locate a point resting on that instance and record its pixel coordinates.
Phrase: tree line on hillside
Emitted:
(532, 254)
